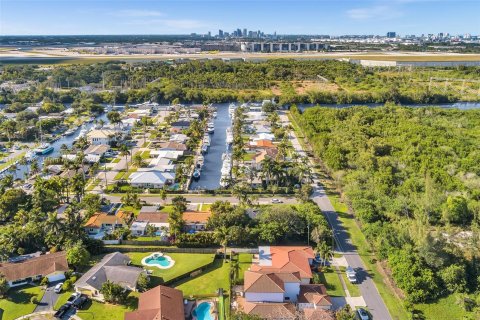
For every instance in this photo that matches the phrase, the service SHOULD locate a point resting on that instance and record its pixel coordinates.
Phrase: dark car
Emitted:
(80, 302)
(73, 297)
(62, 311)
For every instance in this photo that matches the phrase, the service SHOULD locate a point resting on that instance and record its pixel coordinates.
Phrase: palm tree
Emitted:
(222, 236)
(34, 168)
(53, 225)
(145, 122)
(325, 251)
(13, 170)
(125, 152)
(234, 270)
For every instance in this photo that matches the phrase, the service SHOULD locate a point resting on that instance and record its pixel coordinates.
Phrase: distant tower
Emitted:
(245, 32)
(220, 33)
(391, 34)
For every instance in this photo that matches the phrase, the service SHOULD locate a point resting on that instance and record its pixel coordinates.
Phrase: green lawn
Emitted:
(446, 308)
(116, 160)
(167, 209)
(330, 279)
(245, 261)
(131, 209)
(105, 311)
(248, 156)
(146, 154)
(217, 276)
(62, 299)
(184, 263)
(18, 303)
(352, 288)
(204, 207)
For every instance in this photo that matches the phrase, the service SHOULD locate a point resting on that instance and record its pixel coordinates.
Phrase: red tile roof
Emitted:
(159, 303)
(288, 259)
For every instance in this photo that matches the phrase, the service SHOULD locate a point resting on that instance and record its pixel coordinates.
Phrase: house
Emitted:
(27, 268)
(262, 143)
(314, 296)
(195, 220)
(180, 138)
(264, 136)
(101, 223)
(262, 155)
(260, 128)
(151, 179)
(159, 303)
(113, 267)
(270, 311)
(173, 146)
(139, 227)
(101, 136)
(97, 150)
(180, 125)
(157, 219)
(272, 286)
(167, 154)
(285, 259)
(318, 314)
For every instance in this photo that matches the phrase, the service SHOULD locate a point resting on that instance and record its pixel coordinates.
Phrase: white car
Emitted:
(275, 200)
(58, 288)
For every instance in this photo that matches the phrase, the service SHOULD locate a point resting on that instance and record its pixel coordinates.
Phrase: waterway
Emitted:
(211, 172)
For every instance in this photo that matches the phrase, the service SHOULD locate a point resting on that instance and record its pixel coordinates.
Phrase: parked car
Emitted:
(58, 288)
(275, 200)
(62, 311)
(362, 314)
(351, 274)
(80, 301)
(73, 297)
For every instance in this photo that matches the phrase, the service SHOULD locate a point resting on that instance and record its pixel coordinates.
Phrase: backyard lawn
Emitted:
(18, 302)
(245, 261)
(217, 276)
(130, 209)
(330, 279)
(104, 311)
(184, 263)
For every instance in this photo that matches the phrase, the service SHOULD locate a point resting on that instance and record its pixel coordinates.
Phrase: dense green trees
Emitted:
(411, 176)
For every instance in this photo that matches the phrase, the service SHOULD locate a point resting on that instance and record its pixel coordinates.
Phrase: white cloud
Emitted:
(137, 13)
(381, 12)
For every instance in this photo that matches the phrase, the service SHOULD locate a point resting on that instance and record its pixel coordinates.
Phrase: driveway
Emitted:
(368, 289)
(49, 299)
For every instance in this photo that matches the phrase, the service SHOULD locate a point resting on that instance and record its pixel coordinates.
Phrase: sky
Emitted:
(63, 17)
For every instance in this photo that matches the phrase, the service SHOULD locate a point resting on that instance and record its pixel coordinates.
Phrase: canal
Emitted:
(211, 172)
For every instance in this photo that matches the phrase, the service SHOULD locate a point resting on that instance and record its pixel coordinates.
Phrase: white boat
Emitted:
(44, 149)
(206, 141)
(229, 136)
(204, 149)
(30, 156)
(215, 115)
(71, 131)
(211, 129)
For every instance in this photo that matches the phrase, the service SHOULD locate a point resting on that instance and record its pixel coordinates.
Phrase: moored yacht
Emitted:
(196, 174)
(30, 156)
(71, 131)
(44, 149)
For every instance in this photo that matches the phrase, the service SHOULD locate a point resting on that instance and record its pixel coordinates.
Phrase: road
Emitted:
(195, 198)
(369, 291)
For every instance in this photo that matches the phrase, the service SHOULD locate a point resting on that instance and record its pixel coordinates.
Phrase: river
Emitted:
(211, 172)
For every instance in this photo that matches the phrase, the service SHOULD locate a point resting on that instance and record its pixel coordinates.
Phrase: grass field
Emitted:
(184, 263)
(445, 308)
(216, 276)
(18, 302)
(245, 261)
(330, 279)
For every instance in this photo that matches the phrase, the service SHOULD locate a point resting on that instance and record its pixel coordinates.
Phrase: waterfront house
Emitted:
(180, 125)
(180, 138)
(101, 136)
(113, 267)
(101, 223)
(151, 179)
(27, 268)
(159, 303)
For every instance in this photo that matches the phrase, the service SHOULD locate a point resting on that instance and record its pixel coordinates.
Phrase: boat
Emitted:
(204, 149)
(69, 132)
(231, 109)
(30, 156)
(215, 115)
(229, 136)
(206, 141)
(44, 149)
(196, 174)
(211, 129)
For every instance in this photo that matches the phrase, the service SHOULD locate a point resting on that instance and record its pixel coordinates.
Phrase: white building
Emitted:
(151, 179)
(101, 136)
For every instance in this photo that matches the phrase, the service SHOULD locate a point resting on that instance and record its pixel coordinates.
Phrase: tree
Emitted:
(91, 203)
(304, 192)
(77, 255)
(456, 211)
(124, 151)
(138, 160)
(9, 127)
(3, 285)
(114, 117)
(179, 203)
(454, 277)
(145, 123)
(222, 236)
(114, 293)
(163, 194)
(142, 282)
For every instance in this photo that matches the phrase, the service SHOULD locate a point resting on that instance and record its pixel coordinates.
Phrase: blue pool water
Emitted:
(162, 261)
(202, 312)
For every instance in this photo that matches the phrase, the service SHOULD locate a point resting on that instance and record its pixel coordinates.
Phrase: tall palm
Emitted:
(34, 167)
(222, 236)
(124, 151)
(145, 123)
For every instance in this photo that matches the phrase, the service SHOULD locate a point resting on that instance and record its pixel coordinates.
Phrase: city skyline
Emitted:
(30, 17)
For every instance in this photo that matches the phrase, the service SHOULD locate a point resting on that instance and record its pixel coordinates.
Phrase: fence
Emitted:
(120, 248)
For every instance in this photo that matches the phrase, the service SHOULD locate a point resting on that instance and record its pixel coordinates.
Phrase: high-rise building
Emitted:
(391, 34)
(209, 34)
(220, 33)
(244, 33)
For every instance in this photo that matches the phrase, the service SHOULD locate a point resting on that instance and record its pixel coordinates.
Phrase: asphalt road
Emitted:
(369, 291)
(204, 199)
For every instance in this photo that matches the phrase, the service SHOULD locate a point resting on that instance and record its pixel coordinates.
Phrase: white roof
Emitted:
(264, 136)
(180, 137)
(139, 225)
(167, 154)
(103, 133)
(151, 177)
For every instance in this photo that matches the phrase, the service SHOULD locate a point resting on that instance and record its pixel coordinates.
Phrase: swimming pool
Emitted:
(158, 260)
(202, 311)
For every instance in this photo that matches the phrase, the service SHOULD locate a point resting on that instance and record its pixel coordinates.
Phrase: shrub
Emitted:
(34, 300)
(44, 281)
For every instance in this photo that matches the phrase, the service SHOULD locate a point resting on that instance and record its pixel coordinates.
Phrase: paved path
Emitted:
(49, 299)
(368, 289)
(195, 198)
